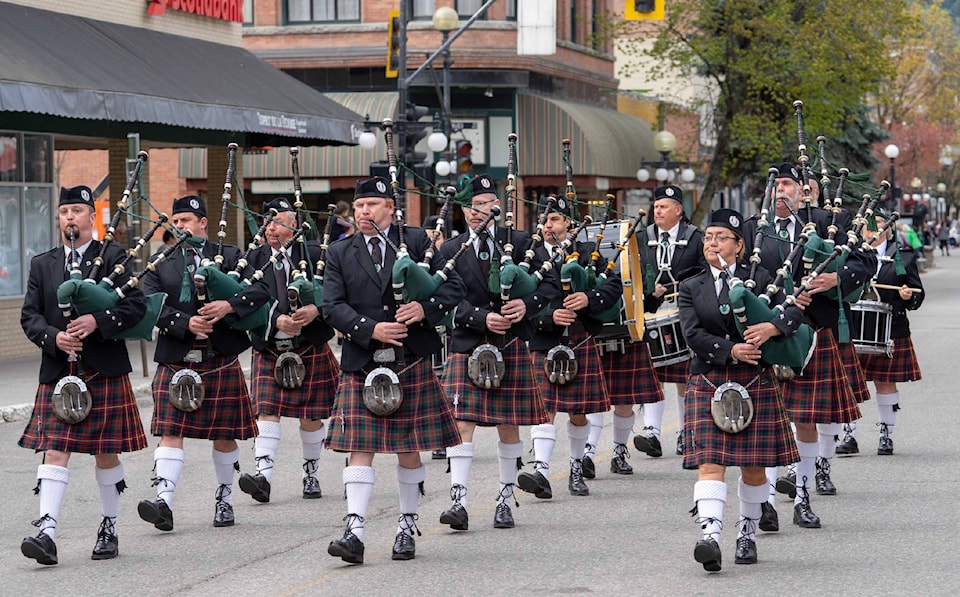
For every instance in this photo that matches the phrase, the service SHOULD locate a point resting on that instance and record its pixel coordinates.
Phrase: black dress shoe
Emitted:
(885, 447)
(648, 444)
(707, 552)
(107, 547)
(769, 519)
(348, 548)
(223, 517)
(824, 485)
(40, 548)
(680, 444)
(257, 487)
(503, 517)
(536, 484)
(589, 468)
(618, 464)
(311, 488)
(848, 446)
(456, 517)
(804, 517)
(404, 547)
(575, 481)
(439, 454)
(746, 551)
(787, 484)
(157, 513)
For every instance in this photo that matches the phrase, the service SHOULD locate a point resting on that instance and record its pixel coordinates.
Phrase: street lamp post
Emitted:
(892, 151)
(445, 20)
(665, 171)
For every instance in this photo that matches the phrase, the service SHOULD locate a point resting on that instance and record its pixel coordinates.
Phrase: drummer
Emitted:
(897, 267)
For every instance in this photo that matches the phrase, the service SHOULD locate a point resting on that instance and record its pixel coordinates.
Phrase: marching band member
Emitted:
(898, 268)
(383, 340)
(725, 358)
(484, 321)
(567, 321)
(83, 348)
(294, 330)
(196, 341)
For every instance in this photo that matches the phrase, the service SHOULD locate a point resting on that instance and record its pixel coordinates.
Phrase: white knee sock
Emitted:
(224, 464)
(751, 497)
(653, 417)
(595, 421)
(681, 389)
(167, 465)
(358, 484)
(408, 485)
(108, 479)
(544, 437)
(265, 447)
(578, 439)
(622, 427)
(771, 485)
(886, 404)
(461, 457)
(710, 497)
(312, 445)
(507, 455)
(851, 428)
(53, 484)
(826, 438)
(805, 468)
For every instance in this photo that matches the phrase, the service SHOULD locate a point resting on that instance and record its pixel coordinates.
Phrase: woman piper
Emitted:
(725, 358)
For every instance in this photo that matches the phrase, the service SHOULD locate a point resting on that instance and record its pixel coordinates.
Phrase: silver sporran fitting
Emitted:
(381, 391)
(186, 390)
(732, 408)
(289, 371)
(485, 367)
(71, 400)
(560, 365)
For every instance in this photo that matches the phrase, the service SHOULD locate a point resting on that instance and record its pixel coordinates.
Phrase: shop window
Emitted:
(9, 158)
(323, 11)
(422, 9)
(248, 12)
(466, 8)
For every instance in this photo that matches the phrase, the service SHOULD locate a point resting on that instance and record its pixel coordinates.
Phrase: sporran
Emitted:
(289, 371)
(486, 367)
(71, 400)
(186, 390)
(732, 408)
(560, 365)
(381, 391)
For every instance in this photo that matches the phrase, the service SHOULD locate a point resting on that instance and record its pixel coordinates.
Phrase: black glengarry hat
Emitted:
(280, 204)
(788, 170)
(560, 205)
(79, 194)
(480, 184)
(190, 204)
(727, 218)
(373, 187)
(668, 192)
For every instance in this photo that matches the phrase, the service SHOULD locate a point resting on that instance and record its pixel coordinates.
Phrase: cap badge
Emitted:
(194, 204)
(381, 187)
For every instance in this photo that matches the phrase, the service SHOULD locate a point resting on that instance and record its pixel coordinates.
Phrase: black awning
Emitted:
(79, 70)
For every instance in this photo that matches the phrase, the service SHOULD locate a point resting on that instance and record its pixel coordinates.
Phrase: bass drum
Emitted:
(630, 322)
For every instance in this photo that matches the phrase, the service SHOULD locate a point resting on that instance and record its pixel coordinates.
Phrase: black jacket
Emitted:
(900, 327)
(686, 260)
(175, 338)
(42, 319)
(470, 320)
(356, 297)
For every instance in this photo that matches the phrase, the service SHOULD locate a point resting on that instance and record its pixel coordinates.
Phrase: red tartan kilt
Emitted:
(854, 372)
(630, 377)
(902, 367)
(226, 411)
(517, 401)
(113, 425)
(424, 420)
(823, 393)
(767, 441)
(312, 400)
(586, 393)
(675, 373)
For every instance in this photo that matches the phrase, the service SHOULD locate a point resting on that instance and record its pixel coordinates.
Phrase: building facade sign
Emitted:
(227, 10)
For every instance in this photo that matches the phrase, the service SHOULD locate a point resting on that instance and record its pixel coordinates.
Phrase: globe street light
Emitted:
(445, 20)
(892, 151)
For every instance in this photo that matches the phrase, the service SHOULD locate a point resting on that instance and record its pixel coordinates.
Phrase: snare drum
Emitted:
(664, 336)
(870, 327)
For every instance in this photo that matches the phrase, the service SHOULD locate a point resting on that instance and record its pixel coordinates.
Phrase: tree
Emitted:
(761, 55)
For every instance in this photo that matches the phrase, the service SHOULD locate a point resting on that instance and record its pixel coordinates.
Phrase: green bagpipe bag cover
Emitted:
(582, 280)
(793, 351)
(221, 286)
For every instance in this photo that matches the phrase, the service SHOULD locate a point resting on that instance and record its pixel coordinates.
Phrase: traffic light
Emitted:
(464, 161)
(643, 10)
(393, 45)
(414, 132)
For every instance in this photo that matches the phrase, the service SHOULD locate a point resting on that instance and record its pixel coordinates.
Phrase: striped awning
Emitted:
(315, 162)
(604, 142)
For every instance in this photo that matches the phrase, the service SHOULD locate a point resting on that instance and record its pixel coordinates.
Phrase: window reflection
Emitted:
(8, 158)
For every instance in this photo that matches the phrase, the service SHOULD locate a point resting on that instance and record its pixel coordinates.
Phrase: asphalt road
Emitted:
(892, 528)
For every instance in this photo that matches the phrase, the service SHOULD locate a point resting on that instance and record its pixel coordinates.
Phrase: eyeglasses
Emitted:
(709, 238)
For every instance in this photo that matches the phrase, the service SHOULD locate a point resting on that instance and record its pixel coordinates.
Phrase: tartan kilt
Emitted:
(517, 401)
(312, 400)
(903, 366)
(586, 393)
(767, 441)
(675, 373)
(629, 375)
(823, 393)
(113, 425)
(854, 372)
(226, 411)
(424, 420)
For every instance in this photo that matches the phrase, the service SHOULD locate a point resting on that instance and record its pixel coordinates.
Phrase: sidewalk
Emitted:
(19, 379)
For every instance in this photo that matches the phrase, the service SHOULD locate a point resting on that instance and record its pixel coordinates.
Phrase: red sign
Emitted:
(227, 10)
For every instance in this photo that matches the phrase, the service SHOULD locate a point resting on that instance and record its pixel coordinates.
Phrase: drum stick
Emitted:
(671, 295)
(892, 287)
